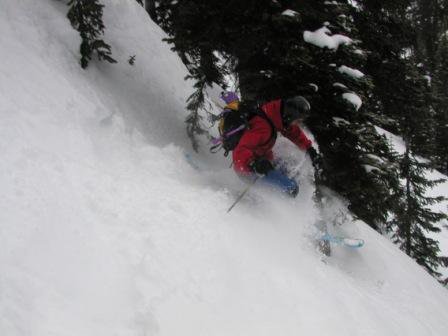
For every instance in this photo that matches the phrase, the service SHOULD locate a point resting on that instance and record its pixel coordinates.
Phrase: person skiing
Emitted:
(253, 154)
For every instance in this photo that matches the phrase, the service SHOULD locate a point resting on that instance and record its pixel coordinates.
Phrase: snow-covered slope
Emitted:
(106, 229)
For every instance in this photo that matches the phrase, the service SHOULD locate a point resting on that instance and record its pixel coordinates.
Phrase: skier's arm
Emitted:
(297, 136)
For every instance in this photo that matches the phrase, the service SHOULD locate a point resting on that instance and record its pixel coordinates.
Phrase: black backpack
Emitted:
(233, 123)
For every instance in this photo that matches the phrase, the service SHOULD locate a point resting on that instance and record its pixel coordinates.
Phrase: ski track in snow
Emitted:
(106, 229)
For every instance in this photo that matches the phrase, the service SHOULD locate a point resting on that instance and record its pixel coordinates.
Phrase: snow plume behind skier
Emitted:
(253, 156)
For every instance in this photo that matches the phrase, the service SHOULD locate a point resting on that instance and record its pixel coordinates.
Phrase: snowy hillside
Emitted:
(106, 229)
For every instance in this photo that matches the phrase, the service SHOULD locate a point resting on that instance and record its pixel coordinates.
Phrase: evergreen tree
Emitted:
(358, 163)
(405, 105)
(430, 18)
(86, 16)
(439, 83)
(414, 219)
(387, 35)
(430, 21)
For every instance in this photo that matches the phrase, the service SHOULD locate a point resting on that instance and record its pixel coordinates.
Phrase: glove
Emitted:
(315, 158)
(261, 166)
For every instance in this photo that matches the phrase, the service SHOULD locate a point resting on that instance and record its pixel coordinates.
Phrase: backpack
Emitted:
(233, 123)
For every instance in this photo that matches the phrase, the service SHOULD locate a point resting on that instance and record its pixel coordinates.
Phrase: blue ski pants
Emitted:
(275, 178)
(278, 180)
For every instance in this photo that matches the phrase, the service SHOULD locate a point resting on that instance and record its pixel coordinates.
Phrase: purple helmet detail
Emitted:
(229, 97)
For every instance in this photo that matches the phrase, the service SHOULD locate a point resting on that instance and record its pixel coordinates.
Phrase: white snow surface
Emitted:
(106, 229)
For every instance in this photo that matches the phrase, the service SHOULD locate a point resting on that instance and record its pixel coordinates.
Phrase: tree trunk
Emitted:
(407, 224)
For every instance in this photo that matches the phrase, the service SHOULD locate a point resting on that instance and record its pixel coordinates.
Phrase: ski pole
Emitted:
(243, 193)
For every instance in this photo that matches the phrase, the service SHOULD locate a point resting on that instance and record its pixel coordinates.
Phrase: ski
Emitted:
(344, 241)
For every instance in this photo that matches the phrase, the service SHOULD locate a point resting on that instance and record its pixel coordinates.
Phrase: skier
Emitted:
(253, 154)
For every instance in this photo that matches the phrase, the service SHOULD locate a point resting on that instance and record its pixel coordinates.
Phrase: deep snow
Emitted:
(106, 229)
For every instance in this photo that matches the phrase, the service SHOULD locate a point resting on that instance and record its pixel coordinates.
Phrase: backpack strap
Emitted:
(215, 149)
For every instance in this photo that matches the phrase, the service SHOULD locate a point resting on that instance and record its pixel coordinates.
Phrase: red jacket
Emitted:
(257, 141)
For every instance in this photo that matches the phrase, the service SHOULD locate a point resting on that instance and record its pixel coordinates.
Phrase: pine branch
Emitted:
(86, 16)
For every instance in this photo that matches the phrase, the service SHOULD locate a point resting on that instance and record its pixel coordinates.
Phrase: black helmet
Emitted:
(295, 108)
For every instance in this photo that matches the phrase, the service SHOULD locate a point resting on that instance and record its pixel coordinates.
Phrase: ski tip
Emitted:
(344, 241)
(353, 243)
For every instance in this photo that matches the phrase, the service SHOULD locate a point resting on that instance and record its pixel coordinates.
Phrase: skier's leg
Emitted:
(280, 181)
(275, 179)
